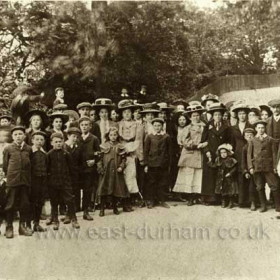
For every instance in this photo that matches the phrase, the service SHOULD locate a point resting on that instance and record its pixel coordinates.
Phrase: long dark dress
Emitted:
(111, 182)
(214, 138)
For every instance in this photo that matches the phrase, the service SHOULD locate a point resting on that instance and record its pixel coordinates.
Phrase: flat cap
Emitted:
(83, 105)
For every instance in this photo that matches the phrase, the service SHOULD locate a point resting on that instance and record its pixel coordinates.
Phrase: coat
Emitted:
(238, 142)
(190, 138)
(214, 139)
(111, 182)
(226, 186)
(17, 165)
(262, 155)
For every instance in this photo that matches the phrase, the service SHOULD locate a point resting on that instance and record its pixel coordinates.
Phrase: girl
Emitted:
(36, 120)
(190, 162)
(110, 168)
(265, 112)
(254, 114)
(226, 184)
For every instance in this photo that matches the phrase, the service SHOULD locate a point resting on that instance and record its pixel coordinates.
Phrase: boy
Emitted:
(60, 185)
(248, 134)
(89, 152)
(17, 168)
(262, 164)
(59, 93)
(73, 147)
(157, 157)
(38, 178)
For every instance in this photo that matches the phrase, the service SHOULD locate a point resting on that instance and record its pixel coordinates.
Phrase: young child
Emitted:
(17, 168)
(248, 136)
(38, 178)
(59, 94)
(111, 167)
(89, 153)
(59, 178)
(226, 184)
(262, 164)
(157, 157)
(73, 147)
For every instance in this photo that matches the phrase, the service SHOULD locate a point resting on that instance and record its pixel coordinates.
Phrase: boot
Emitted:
(190, 200)
(150, 204)
(223, 205)
(55, 225)
(22, 230)
(67, 220)
(75, 224)
(253, 206)
(9, 231)
(102, 207)
(38, 228)
(276, 196)
(230, 204)
(28, 226)
(115, 208)
(87, 216)
(49, 221)
(127, 205)
(262, 201)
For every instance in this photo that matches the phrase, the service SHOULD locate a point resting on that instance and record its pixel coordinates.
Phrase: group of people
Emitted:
(132, 154)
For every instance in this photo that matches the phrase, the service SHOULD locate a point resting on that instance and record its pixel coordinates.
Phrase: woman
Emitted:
(215, 133)
(103, 106)
(254, 114)
(58, 123)
(265, 112)
(190, 163)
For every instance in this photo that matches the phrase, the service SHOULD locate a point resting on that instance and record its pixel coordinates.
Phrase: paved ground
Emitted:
(182, 242)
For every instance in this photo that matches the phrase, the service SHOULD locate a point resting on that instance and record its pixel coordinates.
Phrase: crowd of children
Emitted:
(132, 154)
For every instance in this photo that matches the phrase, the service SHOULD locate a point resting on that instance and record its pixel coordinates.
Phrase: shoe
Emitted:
(9, 232)
(276, 196)
(38, 228)
(75, 224)
(67, 220)
(223, 205)
(164, 204)
(55, 225)
(126, 209)
(262, 201)
(102, 213)
(116, 211)
(190, 202)
(253, 206)
(230, 204)
(22, 230)
(87, 216)
(49, 221)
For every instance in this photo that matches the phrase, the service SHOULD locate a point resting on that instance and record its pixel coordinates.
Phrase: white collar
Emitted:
(34, 149)
(276, 118)
(85, 136)
(161, 133)
(21, 145)
(261, 136)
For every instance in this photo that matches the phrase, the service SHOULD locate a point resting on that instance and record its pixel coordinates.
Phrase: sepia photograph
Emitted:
(140, 140)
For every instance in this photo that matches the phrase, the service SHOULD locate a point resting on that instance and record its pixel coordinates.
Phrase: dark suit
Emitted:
(238, 142)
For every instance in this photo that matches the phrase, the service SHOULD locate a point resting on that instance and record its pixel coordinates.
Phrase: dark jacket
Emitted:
(262, 154)
(59, 169)
(238, 142)
(16, 165)
(157, 150)
(273, 128)
(89, 150)
(39, 163)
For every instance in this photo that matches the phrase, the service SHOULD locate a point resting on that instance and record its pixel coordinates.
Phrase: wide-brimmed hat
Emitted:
(127, 104)
(240, 107)
(260, 122)
(5, 116)
(150, 108)
(60, 106)
(180, 102)
(226, 147)
(102, 103)
(274, 103)
(36, 112)
(267, 109)
(194, 109)
(163, 106)
(64, 117)
(208, 97)
(72, 114)
(83, 105)
(255, 109)
(217, 107)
